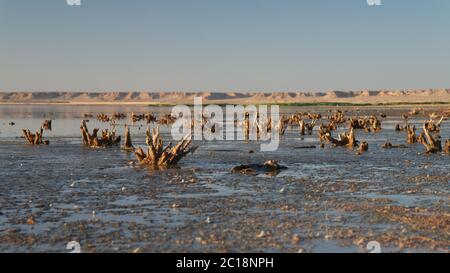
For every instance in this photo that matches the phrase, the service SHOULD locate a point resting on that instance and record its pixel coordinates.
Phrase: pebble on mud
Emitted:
(253, 169)
(296, 238)
(31, 221)
(261, 234)
(137, 250)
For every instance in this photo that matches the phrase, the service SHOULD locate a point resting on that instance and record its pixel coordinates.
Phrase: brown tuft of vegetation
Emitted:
(369, 124)
(107, 138)
(399, 128)
(433, 126)
(167, 119)
(128, 145)
(47, 125)
(119, 116)
(36, 138)
(415, 111)
(364, 147)
(159, 156)
(306, 128)
(246, 125)
(447, 147)
(150, 118)
(411, 134)
(136, 117)
(281, 125)
(432, 144)
(337, 117)
(103, 117)
(347, 139)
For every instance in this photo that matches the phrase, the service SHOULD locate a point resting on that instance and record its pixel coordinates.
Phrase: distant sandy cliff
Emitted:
(382, 96)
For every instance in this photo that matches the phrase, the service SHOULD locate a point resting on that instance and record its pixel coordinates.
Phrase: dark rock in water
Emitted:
(305, 147)
(273, 165)
(389, 145)
(12, 123)
(270, 166)
(244, 169)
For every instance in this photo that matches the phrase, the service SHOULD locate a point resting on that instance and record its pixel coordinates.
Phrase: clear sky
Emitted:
(223, 45)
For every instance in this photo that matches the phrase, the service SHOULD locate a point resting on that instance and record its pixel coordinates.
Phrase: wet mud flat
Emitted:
(327, 200)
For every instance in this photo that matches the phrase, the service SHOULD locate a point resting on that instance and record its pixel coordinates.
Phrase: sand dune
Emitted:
(364, 96)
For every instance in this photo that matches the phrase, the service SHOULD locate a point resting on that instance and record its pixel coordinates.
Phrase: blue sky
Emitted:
(223, 45)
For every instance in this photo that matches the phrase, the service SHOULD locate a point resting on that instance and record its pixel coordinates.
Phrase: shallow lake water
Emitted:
(327, 200)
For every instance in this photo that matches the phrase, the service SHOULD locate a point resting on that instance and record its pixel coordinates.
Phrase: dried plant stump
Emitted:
(108, 138)
(36, 138)
(159, 156)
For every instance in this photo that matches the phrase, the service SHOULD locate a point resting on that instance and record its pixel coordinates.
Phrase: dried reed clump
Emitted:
(446, 113)
(369, 124)
(415, 111)
(128, 145)
(325, 129)
(399, 128)
(34, 139)
(136, 117)
(411, 134)
(103, 117)
(347, 139)
(107, 138)
(433, 126)
(432, 143)
(447, 147)
(281, 125)
(47, 125)
(364, 147)
(167, 119)
(119, 116)
(337, 117)
(159, 156)
(306, 127)
(149, 118)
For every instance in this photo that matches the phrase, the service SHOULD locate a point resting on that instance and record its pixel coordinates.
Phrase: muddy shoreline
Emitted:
(327, 200)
